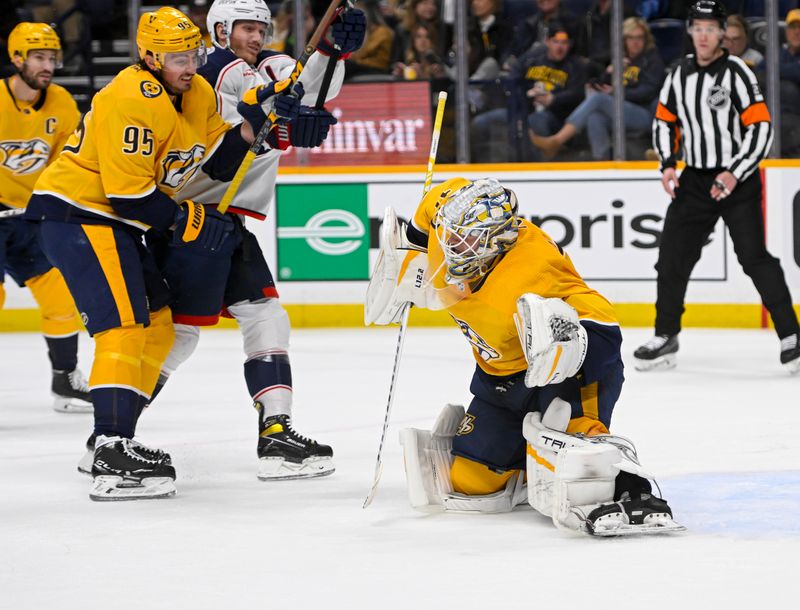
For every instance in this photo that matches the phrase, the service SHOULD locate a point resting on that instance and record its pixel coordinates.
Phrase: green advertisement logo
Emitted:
(322, 232)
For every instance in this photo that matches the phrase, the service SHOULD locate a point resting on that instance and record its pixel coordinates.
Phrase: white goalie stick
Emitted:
(437, 129)
(12, 212)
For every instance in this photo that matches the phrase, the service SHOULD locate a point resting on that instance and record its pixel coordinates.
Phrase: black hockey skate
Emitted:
(127, 470)
(285, 454)
(71, 392)
(790, 353)
(658, 353)
(636, 514)
(85, 464)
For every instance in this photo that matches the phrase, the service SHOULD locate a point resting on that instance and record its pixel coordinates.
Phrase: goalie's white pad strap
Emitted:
(552, 338)
(502, 501)
(427, 459)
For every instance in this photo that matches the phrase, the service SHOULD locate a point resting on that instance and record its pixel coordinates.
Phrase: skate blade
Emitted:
(657, 364)
(793, 366)
(110, 489)
(655, 525)
(71, 405)
(278, 469)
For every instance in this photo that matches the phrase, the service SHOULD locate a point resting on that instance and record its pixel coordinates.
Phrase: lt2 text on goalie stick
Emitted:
(437, 129)
(272, 118)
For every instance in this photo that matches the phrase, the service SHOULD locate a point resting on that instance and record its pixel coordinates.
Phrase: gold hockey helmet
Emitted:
(27, 37)
(165, 31)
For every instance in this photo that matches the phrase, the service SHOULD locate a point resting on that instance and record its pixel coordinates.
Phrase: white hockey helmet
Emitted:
(476, 223)
(227, 12)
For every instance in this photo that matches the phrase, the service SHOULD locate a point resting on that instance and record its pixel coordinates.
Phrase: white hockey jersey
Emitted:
(231, 77)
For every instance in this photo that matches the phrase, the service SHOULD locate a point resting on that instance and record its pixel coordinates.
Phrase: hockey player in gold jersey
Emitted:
(548, 374)
(36, 118)
(147, 133)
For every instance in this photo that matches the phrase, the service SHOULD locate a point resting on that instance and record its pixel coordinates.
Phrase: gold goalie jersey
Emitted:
(135, 140)
(484, 311)
(31, 136)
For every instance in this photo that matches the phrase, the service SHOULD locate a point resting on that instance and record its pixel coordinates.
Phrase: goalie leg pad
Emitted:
(503, 501)
(427, 459)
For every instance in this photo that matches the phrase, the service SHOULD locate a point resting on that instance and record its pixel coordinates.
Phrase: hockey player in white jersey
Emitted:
(237, 279)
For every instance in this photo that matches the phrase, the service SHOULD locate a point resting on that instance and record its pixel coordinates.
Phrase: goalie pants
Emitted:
(690, 219)
(491, 432)
(203, 282)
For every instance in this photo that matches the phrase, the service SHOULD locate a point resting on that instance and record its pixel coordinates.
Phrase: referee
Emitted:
(711, 104)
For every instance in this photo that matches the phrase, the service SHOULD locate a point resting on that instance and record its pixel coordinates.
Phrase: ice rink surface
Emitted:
(720, 432)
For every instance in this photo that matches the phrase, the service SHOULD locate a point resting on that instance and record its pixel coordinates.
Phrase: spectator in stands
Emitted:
(533, 30)
(642, 79)
(593, 40)
(789, 59)
(489, 28)
(736, 41)
(425, 12)
(549, 86)
(375, 55)
(283, 23)
(421, 60)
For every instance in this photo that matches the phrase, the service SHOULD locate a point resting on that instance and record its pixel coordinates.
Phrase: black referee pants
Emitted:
(690, 220)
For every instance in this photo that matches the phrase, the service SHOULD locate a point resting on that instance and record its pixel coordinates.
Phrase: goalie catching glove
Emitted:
(552, 337)
(201, 226)
(399, 276)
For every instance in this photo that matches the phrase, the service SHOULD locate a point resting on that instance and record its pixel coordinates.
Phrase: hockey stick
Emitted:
(11, 213)
(272, 118)
(437, 130)
(330, 68)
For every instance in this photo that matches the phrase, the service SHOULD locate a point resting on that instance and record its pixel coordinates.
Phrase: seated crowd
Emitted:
(540, 70)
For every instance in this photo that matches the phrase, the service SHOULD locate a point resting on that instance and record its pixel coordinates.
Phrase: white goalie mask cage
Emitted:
(228, 12)
(477, 222)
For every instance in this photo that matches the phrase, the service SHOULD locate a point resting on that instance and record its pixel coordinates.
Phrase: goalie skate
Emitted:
(284, 454)
(126, 470)
(71, 392)
(635, 516)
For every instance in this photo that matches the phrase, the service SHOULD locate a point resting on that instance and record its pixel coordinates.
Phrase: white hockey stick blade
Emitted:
(12, 212)
(374, 488)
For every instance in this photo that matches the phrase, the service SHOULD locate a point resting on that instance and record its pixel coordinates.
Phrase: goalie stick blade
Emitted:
(371, 495)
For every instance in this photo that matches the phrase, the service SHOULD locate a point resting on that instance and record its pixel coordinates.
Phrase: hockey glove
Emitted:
(201, 226)
(308, 130)
(347, 32)
(552, 337)
(277, 97)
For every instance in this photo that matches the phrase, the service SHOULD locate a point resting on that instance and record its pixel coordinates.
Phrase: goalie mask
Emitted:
(476, 224)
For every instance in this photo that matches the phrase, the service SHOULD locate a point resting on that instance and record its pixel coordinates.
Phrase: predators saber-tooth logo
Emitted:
(486, 351)
(25, 156)
(179, 165)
